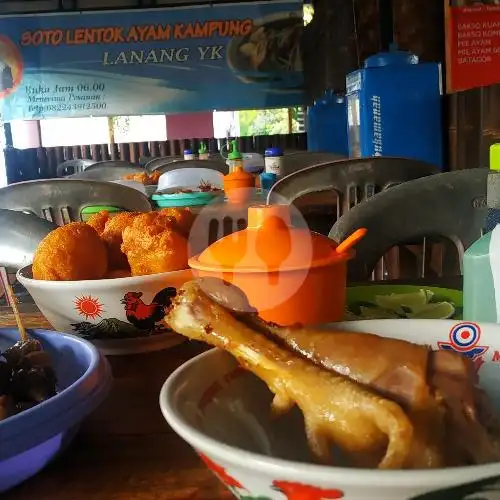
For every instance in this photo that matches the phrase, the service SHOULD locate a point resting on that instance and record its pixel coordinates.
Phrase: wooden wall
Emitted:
(41, 163)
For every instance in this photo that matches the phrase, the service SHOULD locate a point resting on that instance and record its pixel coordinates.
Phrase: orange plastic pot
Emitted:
(239, 185)
(290, 275)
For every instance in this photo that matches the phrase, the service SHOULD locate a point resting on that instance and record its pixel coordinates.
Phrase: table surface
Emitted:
(125, 449)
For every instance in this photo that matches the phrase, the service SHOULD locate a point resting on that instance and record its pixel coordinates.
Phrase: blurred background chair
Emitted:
(107, 171)
(448, 207)
(62, 200)
(70, 167)
(293, 162)
(323, 192)
(154, 163)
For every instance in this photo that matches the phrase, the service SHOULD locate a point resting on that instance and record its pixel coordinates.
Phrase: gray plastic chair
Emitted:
(70, 167)
(352, 180)
(107, 171)
(62, 200)
(21, 234)
(450, 205)
(299, 160)
(154, 163)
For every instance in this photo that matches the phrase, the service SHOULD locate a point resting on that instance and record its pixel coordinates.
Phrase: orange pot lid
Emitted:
(270, 243)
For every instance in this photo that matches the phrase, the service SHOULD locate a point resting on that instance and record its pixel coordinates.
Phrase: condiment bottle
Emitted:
(188, 154)
(239, 185)
(203, 153)
(235, 158)
(274, 161)
(267, 180)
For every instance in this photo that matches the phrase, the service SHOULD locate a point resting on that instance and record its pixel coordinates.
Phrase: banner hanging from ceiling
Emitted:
(134, 62)
(472, 44)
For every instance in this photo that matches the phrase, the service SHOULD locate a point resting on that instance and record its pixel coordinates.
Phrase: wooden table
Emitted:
(125, 449)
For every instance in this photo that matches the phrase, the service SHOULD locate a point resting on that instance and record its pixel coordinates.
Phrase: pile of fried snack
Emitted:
(127, 244)
(384, 403)
(144, 178)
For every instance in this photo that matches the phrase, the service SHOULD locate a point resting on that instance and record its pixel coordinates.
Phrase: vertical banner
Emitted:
(472, 44)
(129, 62)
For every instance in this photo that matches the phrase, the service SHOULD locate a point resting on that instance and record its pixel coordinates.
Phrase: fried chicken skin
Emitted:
(143, 178)
(153, 246)
(69, 253)
(112, 235)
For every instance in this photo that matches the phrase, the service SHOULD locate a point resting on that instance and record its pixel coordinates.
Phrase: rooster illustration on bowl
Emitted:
(142, 318)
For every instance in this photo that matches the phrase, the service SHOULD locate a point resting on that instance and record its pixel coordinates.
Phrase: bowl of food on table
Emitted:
(110, 279)
(49, 382)
(148, 182)
(383, 409)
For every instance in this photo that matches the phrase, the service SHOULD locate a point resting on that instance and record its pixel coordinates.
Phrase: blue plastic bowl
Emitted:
(31, 439)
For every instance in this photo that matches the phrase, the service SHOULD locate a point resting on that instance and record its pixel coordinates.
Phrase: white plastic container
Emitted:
(190, 178)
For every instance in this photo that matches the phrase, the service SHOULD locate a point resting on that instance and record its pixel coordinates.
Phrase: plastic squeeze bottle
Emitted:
(482, 259)
(235, 158)
(203, 153)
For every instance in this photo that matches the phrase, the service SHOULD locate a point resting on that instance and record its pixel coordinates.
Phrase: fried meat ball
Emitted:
(152, 245)
(70, 253)
(183, 217)
(98, 221)
(112, 236)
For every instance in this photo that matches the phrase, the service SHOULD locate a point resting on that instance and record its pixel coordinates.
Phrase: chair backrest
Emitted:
(299, 160)
(70, 167)
(220, 166)
(450, 205)
(114, 164)
(105, 171)
(62, 200)
(354, 180)
(21, 234)
(154, 163)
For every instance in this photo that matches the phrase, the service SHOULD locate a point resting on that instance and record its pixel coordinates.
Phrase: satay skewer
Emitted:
(13, 303)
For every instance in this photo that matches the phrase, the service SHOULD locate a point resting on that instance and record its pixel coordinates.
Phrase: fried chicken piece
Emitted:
(438, 388)
(98, 221)
(70, 253)
(183, 217)
(371, 430)
(143, 178)
(153, 246)
(113, 237)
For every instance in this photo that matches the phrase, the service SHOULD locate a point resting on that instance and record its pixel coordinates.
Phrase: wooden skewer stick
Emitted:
(13, 304)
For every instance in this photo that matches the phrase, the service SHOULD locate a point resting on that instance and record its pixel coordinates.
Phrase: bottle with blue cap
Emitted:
(188, 154)
(481, 262)
(274, 161)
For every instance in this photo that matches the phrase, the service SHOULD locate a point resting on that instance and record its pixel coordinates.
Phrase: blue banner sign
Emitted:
(131, 62)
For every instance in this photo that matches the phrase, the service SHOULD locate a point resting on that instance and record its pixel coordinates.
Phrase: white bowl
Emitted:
(223, 412)
(95, 309)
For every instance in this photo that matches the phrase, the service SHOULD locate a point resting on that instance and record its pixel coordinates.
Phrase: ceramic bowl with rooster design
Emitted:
(223, 412)
(120, 316)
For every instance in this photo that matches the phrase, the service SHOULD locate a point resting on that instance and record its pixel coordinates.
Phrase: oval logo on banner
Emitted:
(485, 489)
